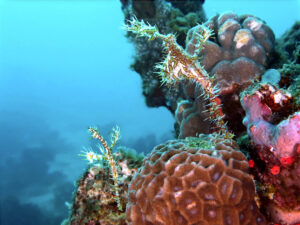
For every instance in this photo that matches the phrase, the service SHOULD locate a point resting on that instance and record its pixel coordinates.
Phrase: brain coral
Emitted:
(193, 181)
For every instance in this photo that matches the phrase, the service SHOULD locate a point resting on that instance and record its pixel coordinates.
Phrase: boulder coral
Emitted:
(194, 181)
(236, 54)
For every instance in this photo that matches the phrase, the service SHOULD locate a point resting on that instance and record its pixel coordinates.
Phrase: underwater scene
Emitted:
(150, 112)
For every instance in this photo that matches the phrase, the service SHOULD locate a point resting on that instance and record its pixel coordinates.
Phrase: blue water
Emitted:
(64, 65)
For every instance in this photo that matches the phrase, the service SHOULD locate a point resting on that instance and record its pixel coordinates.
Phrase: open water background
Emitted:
(64, 66)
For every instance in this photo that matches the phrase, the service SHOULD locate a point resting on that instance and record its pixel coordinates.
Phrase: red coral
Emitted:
(275, 170)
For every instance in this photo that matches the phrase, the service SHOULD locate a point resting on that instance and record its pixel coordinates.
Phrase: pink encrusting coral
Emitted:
(283, 139)
(277, 143)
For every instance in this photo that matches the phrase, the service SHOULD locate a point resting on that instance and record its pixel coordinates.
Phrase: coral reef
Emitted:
(102, 192)
(275, 135)
(294, 88)
(178, 65)
(94, 199)
(289, 41)
(216, 74)
(191, 119)
(263, 109)
(274, 129)
(200, 181)
(287, 60)
(153, 199)
(107, 152)
(290, 71)
(170, 17)
(237, 53)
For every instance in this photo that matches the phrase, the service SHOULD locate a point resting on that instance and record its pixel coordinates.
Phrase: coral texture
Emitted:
(170, 17)
(95, 200)
(277, 144)
(260, 118)
(178, 66)
(193, 181)
(191, 119)
(290, 40)
(294, 88)
(204, 180)
(236, 54)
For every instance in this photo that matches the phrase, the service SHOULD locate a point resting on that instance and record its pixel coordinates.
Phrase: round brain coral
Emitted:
(193, 181)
